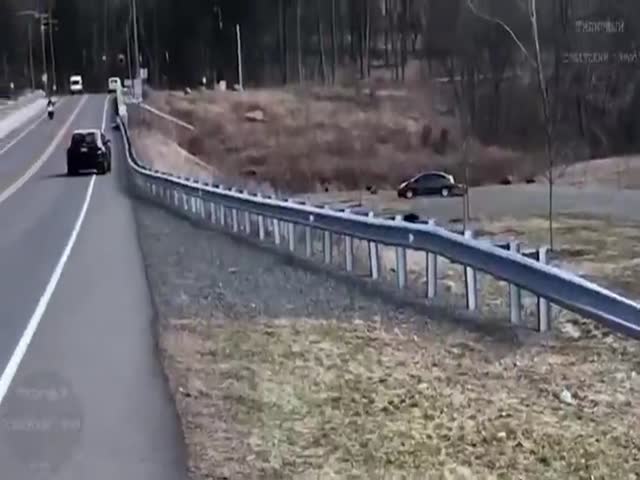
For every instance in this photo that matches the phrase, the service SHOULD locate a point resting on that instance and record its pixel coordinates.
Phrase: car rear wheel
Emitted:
(445, 192)
(102, 168)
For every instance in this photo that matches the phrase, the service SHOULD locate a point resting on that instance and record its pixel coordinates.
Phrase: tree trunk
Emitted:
(362, 38)
(299, 37)
(5, 66)
(497, 107)
(403, 37)
(395, 43)
(386, 35)
(282, 40)
(156, 46)
(548, 127)
(323, 63)
(367, 38)
(334, 43)
(353, 35)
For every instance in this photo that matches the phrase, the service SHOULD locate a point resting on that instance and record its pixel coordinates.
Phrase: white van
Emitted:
(75, 84)
(114, 84)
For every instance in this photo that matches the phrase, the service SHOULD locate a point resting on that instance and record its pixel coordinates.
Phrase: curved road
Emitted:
(80, 387)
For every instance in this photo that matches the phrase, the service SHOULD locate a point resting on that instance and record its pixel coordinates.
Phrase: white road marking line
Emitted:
(22, 134)
(11, 369)
(21, 349)
(36, 166)
(104, 113)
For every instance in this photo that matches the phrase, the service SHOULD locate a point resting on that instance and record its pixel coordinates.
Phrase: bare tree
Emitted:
(536, 61)
(299, 37)
(323, 63)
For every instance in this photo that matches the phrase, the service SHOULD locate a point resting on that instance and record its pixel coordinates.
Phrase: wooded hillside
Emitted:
(489, 47)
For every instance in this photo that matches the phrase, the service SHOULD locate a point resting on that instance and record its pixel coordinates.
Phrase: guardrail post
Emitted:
(401, 262)
(307, 241)
(247, 222)
(213, 212)
(223, 215)
(326, 247)
(260, 222)
(176, 200)
(544, 308)
(153, 189)
(432, 270)
(276, 231)
(185, 202)
(234, 217)
(348, 247)
(374, 257)
(470, 281)
(292, 237)
(515, 297)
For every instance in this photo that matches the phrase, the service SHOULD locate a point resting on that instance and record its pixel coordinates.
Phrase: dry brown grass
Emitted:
(165, 155)
(315, 138)
(616, 172)
(308, 399)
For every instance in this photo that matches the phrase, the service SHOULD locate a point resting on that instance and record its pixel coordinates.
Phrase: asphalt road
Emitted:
(77, 318)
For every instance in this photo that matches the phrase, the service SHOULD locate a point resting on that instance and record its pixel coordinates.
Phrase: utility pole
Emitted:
(44, 55)
(240, 82)
(39, 16)
(129, 54)
(51, 23)
(31, 70)
(135, 47)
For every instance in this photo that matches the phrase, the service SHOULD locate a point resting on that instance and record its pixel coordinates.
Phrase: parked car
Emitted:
(75, 84)
(431, 183)
(89, 150)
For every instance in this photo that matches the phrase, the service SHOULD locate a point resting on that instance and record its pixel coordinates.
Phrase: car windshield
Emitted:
(85, 138)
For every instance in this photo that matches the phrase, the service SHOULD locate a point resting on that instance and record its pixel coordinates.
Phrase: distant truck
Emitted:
(114, 84)
(75, 84)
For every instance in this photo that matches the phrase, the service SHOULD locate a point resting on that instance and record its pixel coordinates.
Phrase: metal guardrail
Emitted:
(242, 211)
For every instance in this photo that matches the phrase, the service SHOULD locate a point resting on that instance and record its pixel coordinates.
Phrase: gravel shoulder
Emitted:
(281, 370)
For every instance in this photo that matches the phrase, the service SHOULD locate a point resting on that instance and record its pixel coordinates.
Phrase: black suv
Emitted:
(89, 150)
